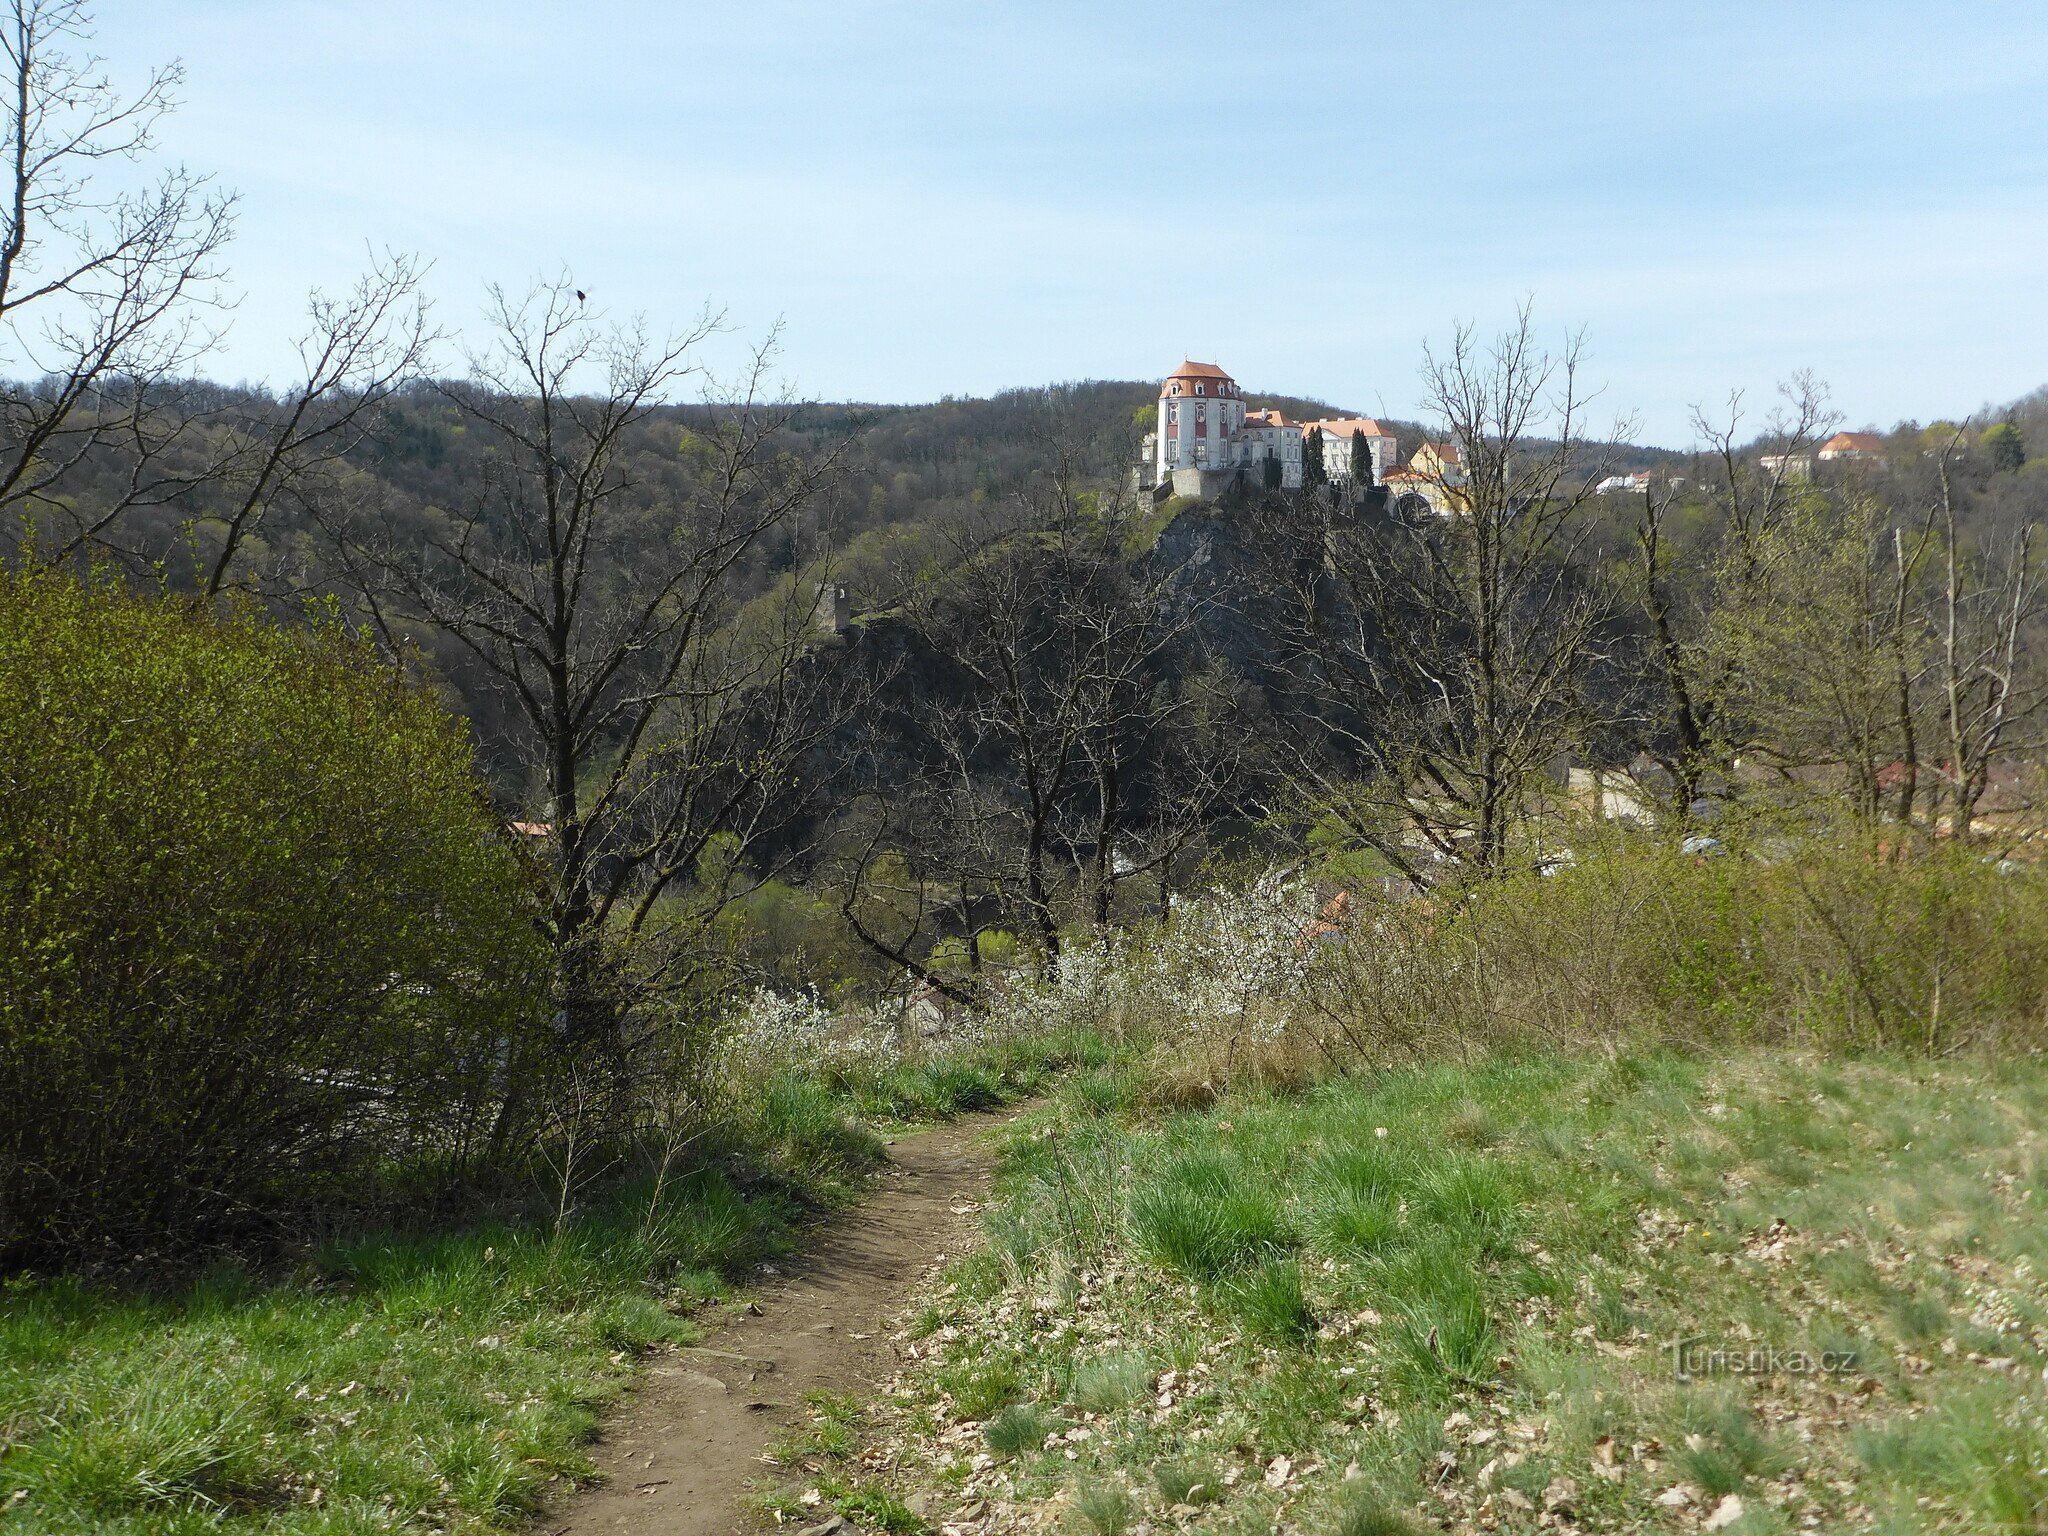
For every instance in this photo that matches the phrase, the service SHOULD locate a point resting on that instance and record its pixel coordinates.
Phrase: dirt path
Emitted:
(685, 1450)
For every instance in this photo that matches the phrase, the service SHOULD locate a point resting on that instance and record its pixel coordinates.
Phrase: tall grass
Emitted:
(1832, 939)
(1818, 937)
(398, 1382)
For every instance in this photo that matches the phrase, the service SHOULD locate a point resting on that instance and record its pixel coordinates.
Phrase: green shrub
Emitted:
(260, 932)
(1801, 931)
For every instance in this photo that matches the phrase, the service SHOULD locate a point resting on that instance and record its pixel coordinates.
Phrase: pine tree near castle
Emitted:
(1313, 475)
(1361, 464)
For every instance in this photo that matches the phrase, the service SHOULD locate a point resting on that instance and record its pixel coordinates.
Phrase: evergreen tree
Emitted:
(1270, 474)
(2006, 445)
(1361, 464)
(1313, 475)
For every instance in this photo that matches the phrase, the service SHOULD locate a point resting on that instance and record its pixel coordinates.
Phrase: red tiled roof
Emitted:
(1192, 370)
(1853, 442)
(1351, 426)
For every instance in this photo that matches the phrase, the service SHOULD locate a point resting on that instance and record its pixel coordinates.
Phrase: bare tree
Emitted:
(1985, 606)
(1747, 491)
(1061, 750)
(102, 292)
(357, 350)
(1810, 639)
(659, 708)
(1442, 652)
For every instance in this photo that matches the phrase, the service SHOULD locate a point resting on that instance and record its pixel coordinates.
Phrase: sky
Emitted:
(956, 197)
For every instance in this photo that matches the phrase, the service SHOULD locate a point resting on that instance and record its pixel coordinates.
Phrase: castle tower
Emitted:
(1200, 406)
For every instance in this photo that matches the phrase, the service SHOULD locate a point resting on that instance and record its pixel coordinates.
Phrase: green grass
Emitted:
(442, 1382)
(953, 1082)
(1207, 1216)
(1110, 1383)
(1271, 1303)
(1018, 1428)
(399, 1383)
(1441, 1297)
(1193, 1482)
(1103, 1509)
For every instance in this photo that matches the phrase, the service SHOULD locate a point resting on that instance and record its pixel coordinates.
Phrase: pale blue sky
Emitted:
(959, 197)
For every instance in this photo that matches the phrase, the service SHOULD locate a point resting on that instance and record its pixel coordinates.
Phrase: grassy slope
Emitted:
(1270, 1315)
(436, 1382)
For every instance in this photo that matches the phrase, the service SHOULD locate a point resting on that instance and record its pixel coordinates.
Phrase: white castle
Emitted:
(1205, 437)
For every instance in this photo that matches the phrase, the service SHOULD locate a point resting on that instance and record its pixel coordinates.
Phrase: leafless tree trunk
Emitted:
(102, 292)
(356, 352)
(659, 710)
(1748, 490)
(1446, 651)
(1985, 606)
(1062, 751)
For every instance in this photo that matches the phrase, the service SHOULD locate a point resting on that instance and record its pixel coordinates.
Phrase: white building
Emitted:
(1205, 433)
(1337, 438)
(1200, 410)
(1852, 445)
(1268, 434)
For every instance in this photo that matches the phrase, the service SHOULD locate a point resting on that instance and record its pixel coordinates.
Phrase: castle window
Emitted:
(1201, 411)
(1172, 448)
(1201, 388)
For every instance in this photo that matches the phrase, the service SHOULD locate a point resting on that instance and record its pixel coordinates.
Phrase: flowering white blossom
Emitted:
(775, 1030)
(1222, 955)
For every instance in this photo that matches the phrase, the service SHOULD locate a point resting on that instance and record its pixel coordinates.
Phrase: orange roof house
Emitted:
(1853, 445)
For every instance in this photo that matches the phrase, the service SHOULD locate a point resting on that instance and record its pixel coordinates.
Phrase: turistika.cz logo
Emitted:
(1696, 1357)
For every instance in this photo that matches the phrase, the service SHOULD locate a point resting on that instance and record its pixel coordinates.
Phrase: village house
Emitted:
(1434, 481)
(1619, 485)
(1852, 445)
